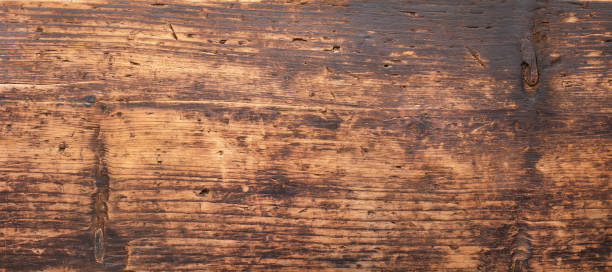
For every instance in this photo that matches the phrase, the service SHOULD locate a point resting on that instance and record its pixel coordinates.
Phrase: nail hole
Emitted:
(204, 192)
(334, 48)
(62, 147)
(90, 99)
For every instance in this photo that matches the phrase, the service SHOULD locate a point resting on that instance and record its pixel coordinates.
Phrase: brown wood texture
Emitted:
(337, 135)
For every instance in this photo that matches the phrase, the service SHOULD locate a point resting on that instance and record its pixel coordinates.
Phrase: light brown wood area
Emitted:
(337, 135)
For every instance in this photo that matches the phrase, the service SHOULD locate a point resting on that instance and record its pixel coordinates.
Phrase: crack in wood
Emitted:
(100, 196)
(520, 248)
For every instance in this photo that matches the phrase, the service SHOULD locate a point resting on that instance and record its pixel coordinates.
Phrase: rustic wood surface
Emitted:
(335, 135)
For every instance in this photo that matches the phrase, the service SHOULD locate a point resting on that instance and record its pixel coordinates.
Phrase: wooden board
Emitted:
(337, 135)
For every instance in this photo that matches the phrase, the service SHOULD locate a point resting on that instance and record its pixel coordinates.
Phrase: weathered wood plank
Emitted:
(330, 135)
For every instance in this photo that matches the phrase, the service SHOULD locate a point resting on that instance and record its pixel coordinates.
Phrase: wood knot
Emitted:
(529, 65)
(521, 252)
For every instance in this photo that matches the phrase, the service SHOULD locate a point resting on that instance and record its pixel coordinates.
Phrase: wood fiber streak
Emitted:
(337, 135)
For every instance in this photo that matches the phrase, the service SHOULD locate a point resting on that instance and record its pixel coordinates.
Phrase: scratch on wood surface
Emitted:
(476, 56)
(173, 33)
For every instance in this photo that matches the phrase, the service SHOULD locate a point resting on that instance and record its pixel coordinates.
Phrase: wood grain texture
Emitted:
(336, 135)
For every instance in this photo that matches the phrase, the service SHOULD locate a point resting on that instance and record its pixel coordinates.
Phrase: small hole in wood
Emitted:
(204, 192)
(61, 147)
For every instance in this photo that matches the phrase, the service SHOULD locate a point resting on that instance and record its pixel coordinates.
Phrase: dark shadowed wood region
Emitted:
(308, 135)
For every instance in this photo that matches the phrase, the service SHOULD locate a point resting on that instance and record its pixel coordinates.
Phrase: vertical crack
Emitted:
(514, 244)
(533, 108)
(108, 246)
(100, 196)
